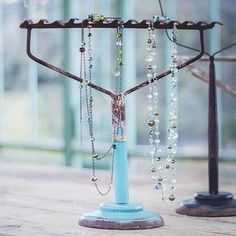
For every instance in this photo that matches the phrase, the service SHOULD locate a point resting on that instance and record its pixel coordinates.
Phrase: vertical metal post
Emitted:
(121, 173)
(2, 82)
(120, 215)
(212, 131)
(120, 157)
(211, 203)
(33, 77)
(215, 45)
(68, 112)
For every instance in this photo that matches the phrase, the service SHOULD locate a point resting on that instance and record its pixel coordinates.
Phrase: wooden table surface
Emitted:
(45, 200)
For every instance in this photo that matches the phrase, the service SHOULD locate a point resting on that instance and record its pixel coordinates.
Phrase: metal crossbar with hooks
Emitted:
(201, 26)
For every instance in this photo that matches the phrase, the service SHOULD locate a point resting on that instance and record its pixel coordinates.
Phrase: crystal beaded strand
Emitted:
(153, 111)
(173, 118)
(163, 171)
(151, 121)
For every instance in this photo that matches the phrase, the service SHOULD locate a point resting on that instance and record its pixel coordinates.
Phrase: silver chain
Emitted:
(89, 98)
(89, 106)
(82, 76)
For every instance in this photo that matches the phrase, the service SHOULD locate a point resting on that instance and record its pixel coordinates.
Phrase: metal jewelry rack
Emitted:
(120, 215)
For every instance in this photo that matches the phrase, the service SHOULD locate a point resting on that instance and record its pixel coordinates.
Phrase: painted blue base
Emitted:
(122, 217)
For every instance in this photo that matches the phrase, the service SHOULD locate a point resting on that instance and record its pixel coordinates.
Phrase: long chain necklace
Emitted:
(89, 100)
(83, 77)
(173, 116)
(89, 106)
(163, 170)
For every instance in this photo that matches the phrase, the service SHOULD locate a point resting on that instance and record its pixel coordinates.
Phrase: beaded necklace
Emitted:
(163, 170)
(89, 98)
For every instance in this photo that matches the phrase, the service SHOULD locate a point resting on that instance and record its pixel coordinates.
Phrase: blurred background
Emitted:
(39, 109)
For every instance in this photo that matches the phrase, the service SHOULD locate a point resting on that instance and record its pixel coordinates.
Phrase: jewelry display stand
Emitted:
(212, 203)
(121, 215)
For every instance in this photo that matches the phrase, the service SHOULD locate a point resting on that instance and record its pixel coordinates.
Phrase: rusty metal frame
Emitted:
(75, 23)
(132, 23)
(59, 70)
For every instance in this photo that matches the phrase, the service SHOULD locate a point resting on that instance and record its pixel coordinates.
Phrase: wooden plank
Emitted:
(39, 200)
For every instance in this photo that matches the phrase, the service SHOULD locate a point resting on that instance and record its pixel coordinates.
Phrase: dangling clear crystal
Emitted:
(116, 73)
(174, 135)
(158, 186)
(155, 93)
(151, 140)
(174, 70)
(174, 50)
(119, 43)
(149, 58)
(157, 140)
(149, 75)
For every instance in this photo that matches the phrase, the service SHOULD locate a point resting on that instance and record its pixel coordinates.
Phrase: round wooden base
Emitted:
(211, 205)
(121, 217)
